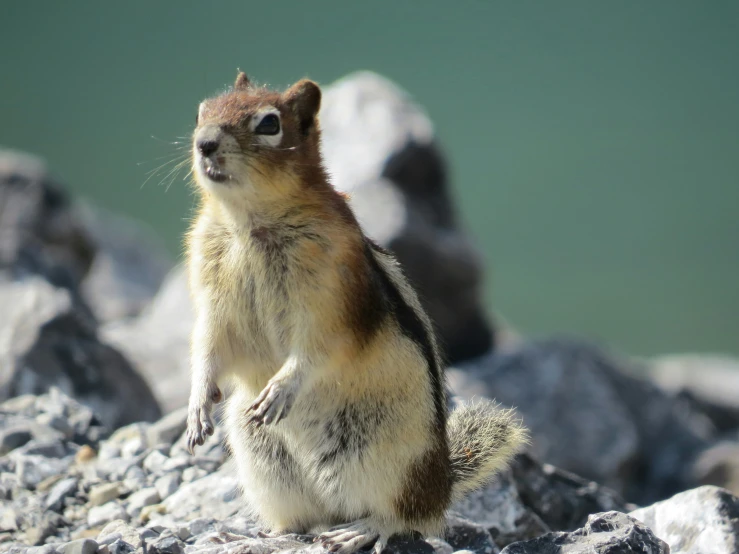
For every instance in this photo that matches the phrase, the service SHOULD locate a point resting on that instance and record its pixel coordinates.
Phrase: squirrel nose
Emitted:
(207, 146)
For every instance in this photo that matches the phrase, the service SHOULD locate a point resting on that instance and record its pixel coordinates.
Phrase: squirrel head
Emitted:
(256, 141)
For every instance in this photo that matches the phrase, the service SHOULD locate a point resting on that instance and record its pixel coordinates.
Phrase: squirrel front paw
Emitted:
(272, 405)
(199, 422)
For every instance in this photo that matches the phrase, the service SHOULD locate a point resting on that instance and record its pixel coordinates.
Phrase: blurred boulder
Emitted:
(40, 232)
(590, 417)
(48, 339)
(380, 148)
(158, 340)
(530, 499)
(700, 521)
(48, 335)
(130, 265)
(710, 383)
(606, 533)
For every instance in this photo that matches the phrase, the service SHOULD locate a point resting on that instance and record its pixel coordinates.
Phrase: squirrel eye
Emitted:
(270, 125)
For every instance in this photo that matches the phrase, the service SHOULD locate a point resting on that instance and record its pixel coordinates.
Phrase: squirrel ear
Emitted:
(304, 97)
(242, 81)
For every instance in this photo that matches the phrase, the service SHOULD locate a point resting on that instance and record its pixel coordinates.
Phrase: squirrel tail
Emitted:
(482, 440)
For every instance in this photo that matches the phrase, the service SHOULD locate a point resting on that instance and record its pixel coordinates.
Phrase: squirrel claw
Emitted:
(199, 427)
(272, 405)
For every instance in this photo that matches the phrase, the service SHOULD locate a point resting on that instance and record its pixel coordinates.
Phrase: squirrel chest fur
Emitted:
(335, 410)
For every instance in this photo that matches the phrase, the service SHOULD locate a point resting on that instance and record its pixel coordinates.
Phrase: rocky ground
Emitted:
(93, 359)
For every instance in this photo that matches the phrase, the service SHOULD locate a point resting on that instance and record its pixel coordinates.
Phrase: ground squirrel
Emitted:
(336, 413)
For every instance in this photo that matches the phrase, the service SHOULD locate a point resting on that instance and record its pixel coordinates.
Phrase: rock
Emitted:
(157, 342)
(13, 438)
(700, 521)
(167, 484)
(440, 546)
(32, 470)
(462, 534)
(588, 416)
(104, 493)
(605, 533)
(64, 488)
(719, 465)
(111, 511)
(710, 383)
(82, 546)
(169, 428)
(119, 527)
(41, 232)
(212, 496)
(166, 543)
(48, 339)
(128, 269)
(120, 547)
(410, 545)
(141, 498)
(379, 146)
(155, 461)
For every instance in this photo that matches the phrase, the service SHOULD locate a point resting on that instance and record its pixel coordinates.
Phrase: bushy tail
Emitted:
(482, 440)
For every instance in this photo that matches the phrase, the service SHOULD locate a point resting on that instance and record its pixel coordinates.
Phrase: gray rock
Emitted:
(81, 546)
(141, 498)
(104, 493)
(47, 339)
(606, 533)
(128, 269)
(167, 484)
(120, 547)
(166, 543)
(463, 534)
(41, 231)
(11, 439)
(155, 461)
(588, 416)
(63, 489)
(380, 147)
(111, 511)
(700, 521)
(709, 382)
(120, 527)
(32, 470)
(169, 428)
(213, 496)
(440, 546)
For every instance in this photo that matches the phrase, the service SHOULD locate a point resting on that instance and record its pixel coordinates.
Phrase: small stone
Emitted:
(84, 454)
(440, 546)
(110, 538)
(48, 448)
(183, 533)
(166, 545)
(168, 429)
(125, 531)
(120, 547)
(467, 535)
(82, 546)
(64, 488)
(167, 484)
(135, 478)
(142, 498)
(155, 461)
(56, 422)
(176, 463)
(99, 515)
(9, 519)
(32, 470)
(102, 494)
(10, 439)
(193, 474)
(148, 511)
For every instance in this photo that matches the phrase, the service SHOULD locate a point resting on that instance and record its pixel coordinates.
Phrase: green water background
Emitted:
(594, 146)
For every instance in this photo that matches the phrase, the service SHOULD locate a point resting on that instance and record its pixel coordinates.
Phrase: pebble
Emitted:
(124, 532)
(168, 429)
(10, 439)
(64, 488)
(82, 546)
(85, 454)
(142, 498)
(167, 484)
(193, 474)
(120, 547)
(99, 515)
(102, 494)
(154, 462)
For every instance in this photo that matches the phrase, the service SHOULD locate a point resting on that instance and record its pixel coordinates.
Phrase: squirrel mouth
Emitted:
(214, 173)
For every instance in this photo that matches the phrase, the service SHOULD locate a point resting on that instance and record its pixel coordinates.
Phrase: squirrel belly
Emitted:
(336, 410)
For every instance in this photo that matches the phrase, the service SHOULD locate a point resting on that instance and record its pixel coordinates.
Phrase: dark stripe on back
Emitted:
(411, 326)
